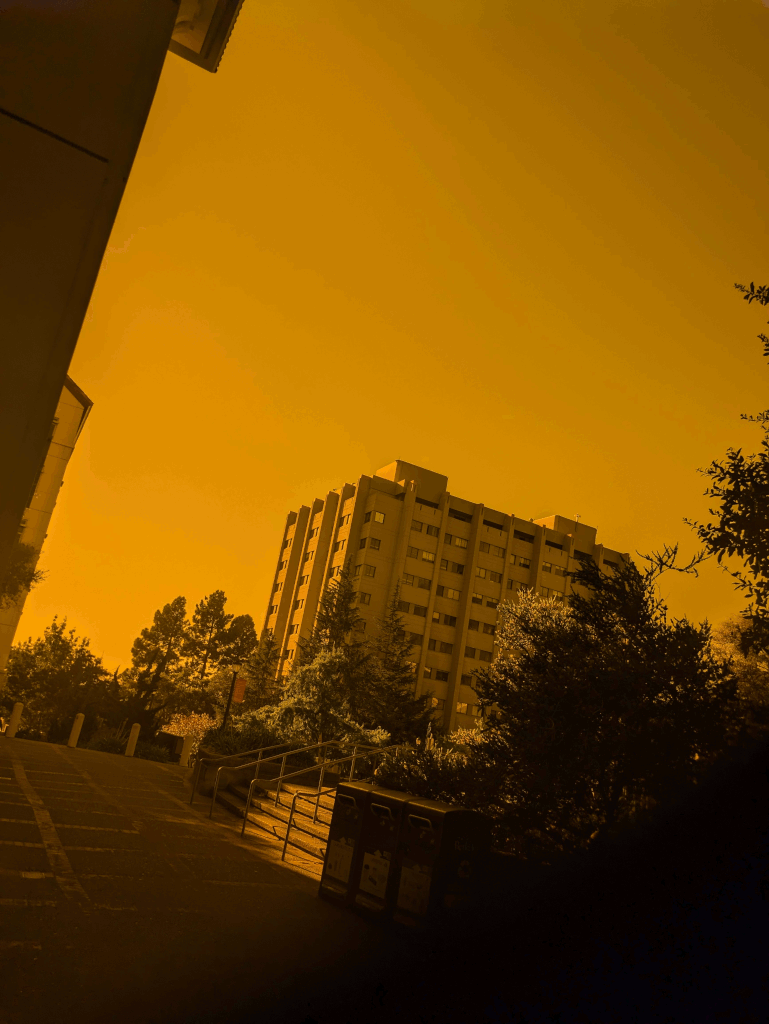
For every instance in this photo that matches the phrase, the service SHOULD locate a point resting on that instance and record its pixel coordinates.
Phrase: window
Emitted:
(362, 543)
(461, 708)
(273, 609)
(278, 586)
(469, 652)
(289, 654)
(512, 585)
(374, 543)
(344, 520)
(424, 501)
(512, 559)
(449, 620)
(528, 537)
(428, 556)
(545, 592)
(444, 678)
(378, 517)
(416, 526)
(438, 703)
(525, 563)
(416, 639)
(494, 526)
(489, 629)
(364, 598)
(583, 556)
(492, 602)
(313, 532)
(452, 595)
(484, 546)
(432, 645)
(294, 628)
(335, 571)
(462, 516)
(308, 556)
(360, 626)
(475, 710)
(303, 580)
(428, 673)
(473, 624)
(419, 609)
(467, 680)
(446, 648)
(554, 544)
(612, 565)
(480, 572)
(547, 567)
(286, 544)
(460, 542)
(452, 566)
(559, 571)
(369, 570)
(447, 538)
(299, 603)
(403, 606)
(477, 598)
(423, 584)
(340, 545)
(497, 551)
(412, 665)
(436, 616)
(484, 655)
(412, 552)
(408, 579)
(432, 531)
(356, 570)
(495, 577)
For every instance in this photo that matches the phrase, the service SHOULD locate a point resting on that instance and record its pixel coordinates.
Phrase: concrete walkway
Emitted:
(120, 902)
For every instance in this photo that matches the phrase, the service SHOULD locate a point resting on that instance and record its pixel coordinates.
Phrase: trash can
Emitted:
(172, 743)
(374, 893)
(342, 861)
(441, 854)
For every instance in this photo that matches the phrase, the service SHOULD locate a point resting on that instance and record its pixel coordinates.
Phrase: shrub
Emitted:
(108, 744)
(250, 735)
(152, 752)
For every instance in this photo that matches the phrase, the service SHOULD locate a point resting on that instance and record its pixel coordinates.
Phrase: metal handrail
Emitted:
(260, 761)
(303, 771)
(302, 796)
(227, 757)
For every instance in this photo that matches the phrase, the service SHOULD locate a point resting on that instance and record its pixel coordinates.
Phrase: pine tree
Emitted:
(337, 619)
(396, 708)
(207, 635)
(260, 670)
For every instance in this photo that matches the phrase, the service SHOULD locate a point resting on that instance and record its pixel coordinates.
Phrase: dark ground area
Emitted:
(120, 903)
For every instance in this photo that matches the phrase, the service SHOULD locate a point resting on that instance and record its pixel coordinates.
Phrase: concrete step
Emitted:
(274, 819)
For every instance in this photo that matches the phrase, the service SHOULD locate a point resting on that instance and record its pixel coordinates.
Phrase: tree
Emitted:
(751, 670)
(260, 670)
(56, 677)
(741, 528)
(316, 704)
(395, 707)
(207, 635)
(596, 708)
(20, 575)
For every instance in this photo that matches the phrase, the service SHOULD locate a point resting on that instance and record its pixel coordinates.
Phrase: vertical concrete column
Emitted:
(132, 738)
(13, 724)
(74, 733)
(184, 759)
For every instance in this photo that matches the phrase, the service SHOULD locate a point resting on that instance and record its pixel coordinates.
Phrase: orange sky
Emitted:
(494, 239)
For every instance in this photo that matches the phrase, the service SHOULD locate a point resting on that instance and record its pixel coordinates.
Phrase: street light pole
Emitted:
(229, 699)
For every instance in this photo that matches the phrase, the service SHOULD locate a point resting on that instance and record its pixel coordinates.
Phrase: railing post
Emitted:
(213, 794)
(13, 722)
(133, 737)
(352, 765)
(288, 827)
(282, 773)
(256, 770)
(74, 733)
(320, 787)
(248, 808)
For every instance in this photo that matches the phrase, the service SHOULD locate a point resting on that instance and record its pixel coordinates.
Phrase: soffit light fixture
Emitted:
(203, 29)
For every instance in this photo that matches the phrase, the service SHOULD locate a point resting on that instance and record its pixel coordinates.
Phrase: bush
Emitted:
(152, 752)
(250, 735)
(108, 744)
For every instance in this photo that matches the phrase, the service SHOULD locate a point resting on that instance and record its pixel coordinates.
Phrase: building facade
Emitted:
(71, 413)
(455, 561)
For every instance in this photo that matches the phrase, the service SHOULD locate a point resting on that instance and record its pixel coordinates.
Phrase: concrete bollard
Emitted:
(74, 734)
(133, 737)
(13, 724)
(184, 759)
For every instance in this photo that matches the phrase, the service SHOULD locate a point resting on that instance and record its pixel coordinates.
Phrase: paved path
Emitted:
(120, 902)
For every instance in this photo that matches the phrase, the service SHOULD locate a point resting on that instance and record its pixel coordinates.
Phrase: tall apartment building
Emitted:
(71, 413)
(456, 562)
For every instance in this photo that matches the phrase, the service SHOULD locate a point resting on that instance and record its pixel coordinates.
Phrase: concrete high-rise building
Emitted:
(71, 413)
(456, 561)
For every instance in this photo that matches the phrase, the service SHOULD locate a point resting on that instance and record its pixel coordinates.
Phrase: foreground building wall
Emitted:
(71, 413)
(456, 562)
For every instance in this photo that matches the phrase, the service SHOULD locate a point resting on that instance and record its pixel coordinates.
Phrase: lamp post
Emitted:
(231, 696)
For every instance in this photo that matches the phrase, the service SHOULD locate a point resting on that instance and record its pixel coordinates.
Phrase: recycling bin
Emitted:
(441, 854)
(341, 864)
(374, 893)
